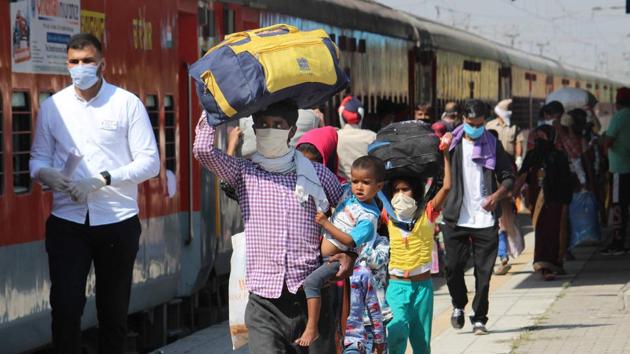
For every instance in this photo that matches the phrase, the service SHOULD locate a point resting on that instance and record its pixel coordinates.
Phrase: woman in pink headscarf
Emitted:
(320, 145)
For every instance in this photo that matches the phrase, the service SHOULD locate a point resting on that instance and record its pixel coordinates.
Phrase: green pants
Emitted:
(412, 308)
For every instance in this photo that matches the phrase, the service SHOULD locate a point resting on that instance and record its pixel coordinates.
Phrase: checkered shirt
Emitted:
(282, 237)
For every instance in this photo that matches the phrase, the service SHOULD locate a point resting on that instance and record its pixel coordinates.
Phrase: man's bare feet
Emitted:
(309, 336)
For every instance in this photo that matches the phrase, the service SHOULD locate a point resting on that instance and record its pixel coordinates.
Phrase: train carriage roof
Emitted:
(371, 16)
(364, 15)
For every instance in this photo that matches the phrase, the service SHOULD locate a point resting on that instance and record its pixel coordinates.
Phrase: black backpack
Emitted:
(409, 149)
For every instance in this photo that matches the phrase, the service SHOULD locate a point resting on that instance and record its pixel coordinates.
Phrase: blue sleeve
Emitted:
(362, 232)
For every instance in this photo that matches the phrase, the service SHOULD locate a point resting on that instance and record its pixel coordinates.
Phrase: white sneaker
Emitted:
(479, 329)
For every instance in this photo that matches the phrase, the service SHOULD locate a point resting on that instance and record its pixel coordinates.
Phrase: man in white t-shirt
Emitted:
(352, 141)
(482, 176)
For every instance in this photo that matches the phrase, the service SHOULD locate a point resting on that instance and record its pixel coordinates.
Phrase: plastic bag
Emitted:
(238, 293)
(583, 218)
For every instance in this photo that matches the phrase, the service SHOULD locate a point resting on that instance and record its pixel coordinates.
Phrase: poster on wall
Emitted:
(40, 30)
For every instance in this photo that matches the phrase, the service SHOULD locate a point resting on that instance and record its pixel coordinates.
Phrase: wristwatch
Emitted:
(107, 176)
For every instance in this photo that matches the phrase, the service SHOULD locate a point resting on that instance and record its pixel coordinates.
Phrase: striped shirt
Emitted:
(282, 237)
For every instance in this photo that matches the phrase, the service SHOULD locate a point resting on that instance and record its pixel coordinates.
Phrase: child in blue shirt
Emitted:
(353, 223)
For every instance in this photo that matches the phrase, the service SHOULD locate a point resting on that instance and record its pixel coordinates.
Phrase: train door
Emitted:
(198, 252)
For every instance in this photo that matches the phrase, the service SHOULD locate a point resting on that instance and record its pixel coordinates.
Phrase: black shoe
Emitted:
(457, 318)
(479, 329)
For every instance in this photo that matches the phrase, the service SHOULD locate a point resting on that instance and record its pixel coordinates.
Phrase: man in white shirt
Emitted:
(95, 210)
(352, 141)
(482, 176)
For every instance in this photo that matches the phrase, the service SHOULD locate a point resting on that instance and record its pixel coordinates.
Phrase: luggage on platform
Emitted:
(410, 149)
(584, 219)
(250, 70)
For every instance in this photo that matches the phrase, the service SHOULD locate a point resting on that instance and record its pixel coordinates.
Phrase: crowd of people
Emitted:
(318, 209)
(310, 224)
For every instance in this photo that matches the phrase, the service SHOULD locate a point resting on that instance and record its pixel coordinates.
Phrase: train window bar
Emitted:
(1, 146)
(153, 110)
(169, 133)
(21, 134)
(152, 105)
(43, 96)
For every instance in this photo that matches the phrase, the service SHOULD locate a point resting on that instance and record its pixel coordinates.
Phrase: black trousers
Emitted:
(274, 324)
(620, 204)
(71, 250)
(458, 242)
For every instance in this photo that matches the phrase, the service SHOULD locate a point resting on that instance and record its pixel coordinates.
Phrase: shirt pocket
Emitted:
(110, 132)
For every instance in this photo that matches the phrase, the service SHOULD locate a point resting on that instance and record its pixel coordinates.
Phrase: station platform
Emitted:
(527, 314)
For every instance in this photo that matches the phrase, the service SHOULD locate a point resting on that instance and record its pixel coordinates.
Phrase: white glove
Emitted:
(54, 179)
(79, 190)
(519, 163)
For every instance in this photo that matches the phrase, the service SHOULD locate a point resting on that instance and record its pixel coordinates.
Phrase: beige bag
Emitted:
(238, 292)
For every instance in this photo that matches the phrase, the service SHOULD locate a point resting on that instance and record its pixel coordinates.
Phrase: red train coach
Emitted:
(147, 47)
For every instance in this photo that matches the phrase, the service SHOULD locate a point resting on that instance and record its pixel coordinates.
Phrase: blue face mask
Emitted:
(472, 132)
(84, 76)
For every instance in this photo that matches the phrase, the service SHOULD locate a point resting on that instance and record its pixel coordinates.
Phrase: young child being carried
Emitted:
(352, 224)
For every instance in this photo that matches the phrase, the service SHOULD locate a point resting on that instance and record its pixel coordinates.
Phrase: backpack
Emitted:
(409, 149)
(251, 70)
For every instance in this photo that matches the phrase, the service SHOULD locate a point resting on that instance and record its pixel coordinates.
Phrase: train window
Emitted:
(169, 133)
(43, 96)
(588, 86)
(352, 44)
(565, 82)
(206, 22)
(153, 110)
(342, 43)
(470, 65)
(529, 76)
(228, 21)
(20, 103)
(1, 148)
(362, 46)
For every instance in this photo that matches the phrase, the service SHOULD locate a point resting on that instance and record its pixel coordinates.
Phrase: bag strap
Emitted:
(405, 225)
(253, 34)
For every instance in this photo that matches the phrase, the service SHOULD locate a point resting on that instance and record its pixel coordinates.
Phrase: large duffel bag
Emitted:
(408, 148)
(250, 70)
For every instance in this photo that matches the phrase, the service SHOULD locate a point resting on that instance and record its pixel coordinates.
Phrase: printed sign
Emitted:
(93, 22)
(40, 31)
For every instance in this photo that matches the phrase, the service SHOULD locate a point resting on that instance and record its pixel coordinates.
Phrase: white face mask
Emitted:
(84, 76)
(272, 143)
(546, 122)
(404, 206)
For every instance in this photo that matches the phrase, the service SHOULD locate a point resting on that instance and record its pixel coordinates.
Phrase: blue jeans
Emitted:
(315, 281)
(503, 246)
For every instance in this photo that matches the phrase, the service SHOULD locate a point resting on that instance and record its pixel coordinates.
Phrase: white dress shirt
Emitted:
(113, 133)
(472, 214)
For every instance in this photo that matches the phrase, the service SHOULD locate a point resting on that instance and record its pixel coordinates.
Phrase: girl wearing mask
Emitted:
(410, 291)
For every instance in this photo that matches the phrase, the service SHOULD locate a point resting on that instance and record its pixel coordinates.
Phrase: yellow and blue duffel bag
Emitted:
(250, 70)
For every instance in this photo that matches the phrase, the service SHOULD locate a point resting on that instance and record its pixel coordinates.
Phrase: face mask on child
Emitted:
(404, 206)
(272, 143)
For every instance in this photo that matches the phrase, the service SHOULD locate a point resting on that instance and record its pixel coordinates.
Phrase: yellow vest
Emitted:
(416, 251)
